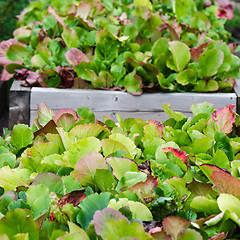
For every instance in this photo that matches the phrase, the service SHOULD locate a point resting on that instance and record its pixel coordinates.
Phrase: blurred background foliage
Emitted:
(9, 9)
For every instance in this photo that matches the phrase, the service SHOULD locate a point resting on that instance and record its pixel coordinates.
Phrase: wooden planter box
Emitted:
(24, 100)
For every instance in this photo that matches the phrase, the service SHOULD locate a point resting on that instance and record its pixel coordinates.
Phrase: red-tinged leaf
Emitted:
(55, 15)
(5, 75)
(177, 152)
(50, 127)
(86, 167)
(44, 114)
(4, 45)
(155, 230)
(83, 10)
(32, 77)
(75, 56)
(232, 47)
(225, 11)
(174, 226)
(224, 118)
(101, 217)
(74, 197)
(159, 127)
(145, 190)
(220, 236)
(65, 118)
(196, 52)
(224, 181)
(198, 188)
(158, 233)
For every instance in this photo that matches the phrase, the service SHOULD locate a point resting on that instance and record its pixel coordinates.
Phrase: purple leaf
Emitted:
(66, 75)
(75, 56)
(101, 217)
(74, 197)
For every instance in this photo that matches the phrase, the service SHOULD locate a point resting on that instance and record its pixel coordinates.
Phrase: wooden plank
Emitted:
(101, 100)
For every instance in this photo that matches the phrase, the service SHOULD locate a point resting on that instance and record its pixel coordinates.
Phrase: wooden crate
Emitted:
(23, 102)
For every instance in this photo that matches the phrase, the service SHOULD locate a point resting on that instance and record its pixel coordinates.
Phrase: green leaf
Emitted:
(77, 150)
(7, 159)
(70, 38)
(180, 53)
(144, 214)
(210, 61)
(53, 182)
(126, 141)
(16, 222)
(178, 116)
(190, 234)
(204, 107)
(104, 180)
(12, 178)
(121, 165)
(86, 130)
(187, 76)
(204, 205)
(90, 205)
(110, 147)
(86, 114)
(70, 184)
(21, 136)
(221, 160)
(160, 47)
(202, 145)
(106, 47)
(223, 143)
(39, 199)
(121, 229)
(133, 83)
(130, 179)
(230, 203)
(18, 52)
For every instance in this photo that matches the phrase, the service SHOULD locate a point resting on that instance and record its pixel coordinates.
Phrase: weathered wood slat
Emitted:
(147, 106)
(101, 100)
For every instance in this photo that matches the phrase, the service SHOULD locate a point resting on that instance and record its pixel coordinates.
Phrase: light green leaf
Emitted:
(181, 55)
(122, 165)
(204, 205)
(230, 203)
(39, 199)
(70, 38)
(187, 76)
(144, 214)
(21, 136)
(12, 178)
(16, 222)
(210, 61)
